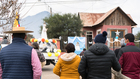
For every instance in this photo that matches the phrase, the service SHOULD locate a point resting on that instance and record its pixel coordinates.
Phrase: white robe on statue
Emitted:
(77, 47)
(44, 32)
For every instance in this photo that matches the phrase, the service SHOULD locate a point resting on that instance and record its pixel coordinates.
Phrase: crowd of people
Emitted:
(18, 60)
(99, 62)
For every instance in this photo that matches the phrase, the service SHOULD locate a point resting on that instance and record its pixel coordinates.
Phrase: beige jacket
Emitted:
(119, 75)
(43, 64)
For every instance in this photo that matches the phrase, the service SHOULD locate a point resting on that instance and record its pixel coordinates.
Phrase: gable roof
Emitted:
(90, 18)
(88, 22)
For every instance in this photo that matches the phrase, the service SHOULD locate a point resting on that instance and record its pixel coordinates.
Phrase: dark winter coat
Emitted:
(129, 59)
(97, 62)
(117, 50)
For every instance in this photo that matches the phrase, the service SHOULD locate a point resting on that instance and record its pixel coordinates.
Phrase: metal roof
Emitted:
(90, 18)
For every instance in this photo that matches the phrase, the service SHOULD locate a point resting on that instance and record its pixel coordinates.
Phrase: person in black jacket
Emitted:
(117, 50)
(122, 45)
(98, 60)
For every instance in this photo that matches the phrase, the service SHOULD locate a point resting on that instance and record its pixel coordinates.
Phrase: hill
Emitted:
(34, 22)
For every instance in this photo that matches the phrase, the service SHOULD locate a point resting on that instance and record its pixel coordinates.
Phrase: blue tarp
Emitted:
(78, 51)
(79, 43)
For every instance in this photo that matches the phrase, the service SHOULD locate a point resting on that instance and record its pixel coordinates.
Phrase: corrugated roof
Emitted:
(93, 19)
(90, 18)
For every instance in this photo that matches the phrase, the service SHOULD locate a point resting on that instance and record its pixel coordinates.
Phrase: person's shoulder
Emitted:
(87, 52)
(129, 48)
(60, 59)
(78, 57)
(135, 48)
(37, 50)
(110, 52)
(6, 47)
(117, 49)
(26, 45)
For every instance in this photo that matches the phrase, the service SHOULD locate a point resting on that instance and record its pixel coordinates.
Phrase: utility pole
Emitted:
(51, 11)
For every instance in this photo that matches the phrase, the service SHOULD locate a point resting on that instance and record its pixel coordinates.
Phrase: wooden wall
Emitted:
(117, 18)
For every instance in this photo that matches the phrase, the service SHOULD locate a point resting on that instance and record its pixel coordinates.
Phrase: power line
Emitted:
(28, 10)
(89, 7)
(113, 3)
(23, 7)
(69, 6)
(66, 1)
(60, 3)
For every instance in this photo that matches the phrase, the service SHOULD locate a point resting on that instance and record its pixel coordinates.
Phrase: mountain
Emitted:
(34, 22)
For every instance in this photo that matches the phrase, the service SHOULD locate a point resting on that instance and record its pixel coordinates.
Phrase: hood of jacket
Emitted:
(99, 49)
(68, 56)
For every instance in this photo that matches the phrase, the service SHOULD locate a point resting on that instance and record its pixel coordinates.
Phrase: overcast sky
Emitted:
(32, 7)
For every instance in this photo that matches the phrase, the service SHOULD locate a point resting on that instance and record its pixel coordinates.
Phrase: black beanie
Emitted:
(101, 38)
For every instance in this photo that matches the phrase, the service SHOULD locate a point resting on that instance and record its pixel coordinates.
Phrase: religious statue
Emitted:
(44, 32)
(77, 46)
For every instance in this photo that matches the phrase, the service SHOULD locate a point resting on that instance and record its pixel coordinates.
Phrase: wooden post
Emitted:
(113, 44)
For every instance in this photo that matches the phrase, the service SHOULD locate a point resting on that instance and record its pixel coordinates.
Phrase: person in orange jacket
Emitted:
(67, 65)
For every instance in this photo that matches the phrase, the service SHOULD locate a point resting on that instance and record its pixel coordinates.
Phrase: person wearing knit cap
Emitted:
(97, 61)
(101, 38)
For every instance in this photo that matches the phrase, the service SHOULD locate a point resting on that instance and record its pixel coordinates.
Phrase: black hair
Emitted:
(84, 49)
(35, 45)
(70, 48)
(19, 35)
(130, 37)
(122, 46)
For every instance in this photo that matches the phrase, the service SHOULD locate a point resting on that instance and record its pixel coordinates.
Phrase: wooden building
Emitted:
(111, 21)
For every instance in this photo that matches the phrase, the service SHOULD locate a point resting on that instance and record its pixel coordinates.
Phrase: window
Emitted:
(121, 34)
(113, 34)
(98, 31)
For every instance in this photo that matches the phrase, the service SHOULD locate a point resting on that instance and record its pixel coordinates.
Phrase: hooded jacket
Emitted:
(67, 66)
(97, 62)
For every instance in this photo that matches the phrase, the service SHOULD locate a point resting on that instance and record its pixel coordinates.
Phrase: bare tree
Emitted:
(8, 9)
